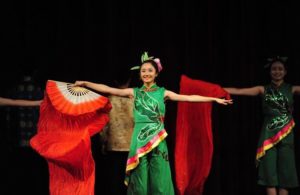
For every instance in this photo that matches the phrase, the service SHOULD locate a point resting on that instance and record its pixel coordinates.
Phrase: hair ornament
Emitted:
(276, 58)
(146, 57)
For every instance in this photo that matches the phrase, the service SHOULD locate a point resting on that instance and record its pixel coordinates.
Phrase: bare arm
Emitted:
(194, 98)
(296, 90)
(252, 91)
(105, 89)
(18, 102)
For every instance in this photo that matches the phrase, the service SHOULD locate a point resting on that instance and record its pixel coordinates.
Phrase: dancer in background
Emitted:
(275, 153)
(116, 136)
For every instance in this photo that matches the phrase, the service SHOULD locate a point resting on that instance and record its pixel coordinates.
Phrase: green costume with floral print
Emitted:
(275, 153)
(148, 170)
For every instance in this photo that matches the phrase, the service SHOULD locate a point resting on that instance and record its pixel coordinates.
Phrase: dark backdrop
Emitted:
(223, 42)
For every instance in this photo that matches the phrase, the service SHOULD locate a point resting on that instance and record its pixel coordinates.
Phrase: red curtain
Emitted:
(194, 139)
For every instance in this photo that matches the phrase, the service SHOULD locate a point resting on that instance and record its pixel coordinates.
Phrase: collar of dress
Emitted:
(153, 87)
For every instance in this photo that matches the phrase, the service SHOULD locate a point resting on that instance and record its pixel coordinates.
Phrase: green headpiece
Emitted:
(144, 58)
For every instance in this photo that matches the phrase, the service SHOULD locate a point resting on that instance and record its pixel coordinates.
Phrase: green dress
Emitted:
(148, 169)
(275, 153)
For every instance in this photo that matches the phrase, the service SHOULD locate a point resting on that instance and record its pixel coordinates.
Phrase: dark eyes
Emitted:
(150, 70)
(277, 68)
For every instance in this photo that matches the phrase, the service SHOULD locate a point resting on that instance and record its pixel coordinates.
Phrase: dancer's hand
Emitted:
(80, 84)
(224, 101)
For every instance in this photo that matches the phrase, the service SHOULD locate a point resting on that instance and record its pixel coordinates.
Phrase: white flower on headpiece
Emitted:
(159, 66)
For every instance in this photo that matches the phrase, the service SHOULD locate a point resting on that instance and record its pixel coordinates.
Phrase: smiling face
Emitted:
(277, 71)
(148, 73)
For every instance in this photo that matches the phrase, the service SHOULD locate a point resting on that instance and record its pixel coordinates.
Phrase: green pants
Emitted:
(278, 168)
(153, 175)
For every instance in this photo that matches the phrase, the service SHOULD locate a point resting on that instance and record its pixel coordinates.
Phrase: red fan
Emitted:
(69, 116)
(71, 100)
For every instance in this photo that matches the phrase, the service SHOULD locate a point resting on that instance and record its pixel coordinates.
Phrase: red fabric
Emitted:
(64, 141)
(194, 139)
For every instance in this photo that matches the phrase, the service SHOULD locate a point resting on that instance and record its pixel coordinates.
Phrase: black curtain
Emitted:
(223, 42)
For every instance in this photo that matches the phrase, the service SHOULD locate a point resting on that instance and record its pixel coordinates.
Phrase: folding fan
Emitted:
(69, 116)
(73, 100)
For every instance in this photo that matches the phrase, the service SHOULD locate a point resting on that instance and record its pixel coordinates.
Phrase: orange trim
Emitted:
(269, 143)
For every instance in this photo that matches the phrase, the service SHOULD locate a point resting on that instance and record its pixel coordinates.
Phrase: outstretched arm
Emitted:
(105, 89)
(296, 90)
(194, 98)
(252, 91)
(19, 102)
